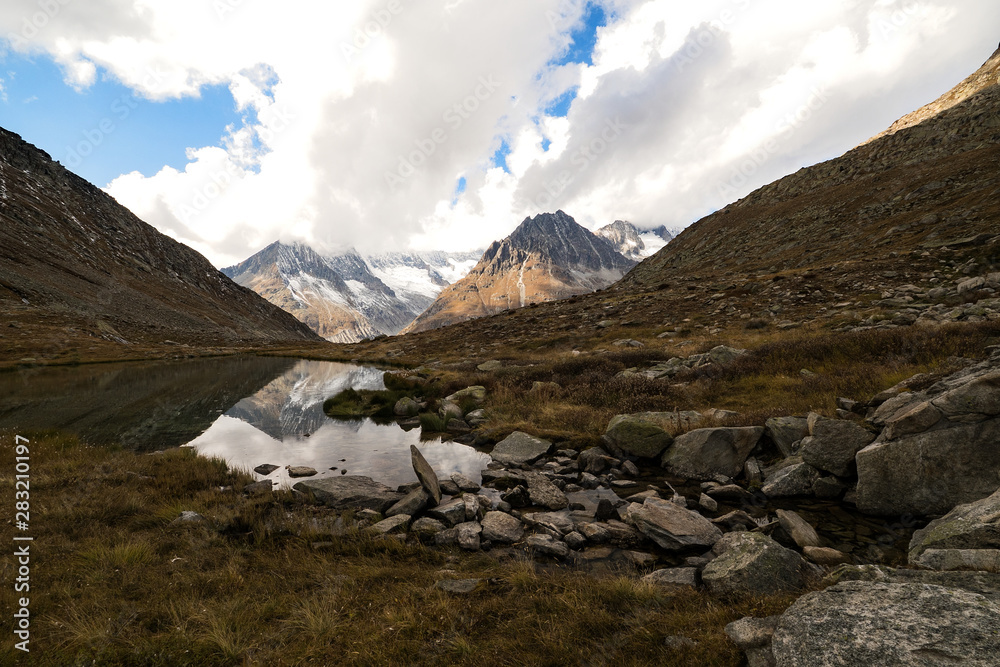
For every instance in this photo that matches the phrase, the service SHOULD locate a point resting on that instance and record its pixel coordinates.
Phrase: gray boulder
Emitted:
(864, 623)
(833, 444)
(450, 513)
(724, 355)
(971, 526)
(546, 544)
(794, 480)
(640, 434)
(753, 564)
(671, 526)
(785, 432)
(414, 503)
(520, 448)
(475, 393)
(978, 397)
(468, 535)
(929, 473)
(427, 527)
(753, 635)
(676, 578)
(798, 528)
(705, 453)
(502, 528)
(406, 407)
(947, 560)
(425, 473)
(544, 493)
(464, 483)
(394, 524)
(348, 492)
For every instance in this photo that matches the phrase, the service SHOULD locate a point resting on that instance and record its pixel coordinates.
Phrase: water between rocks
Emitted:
(246, 410)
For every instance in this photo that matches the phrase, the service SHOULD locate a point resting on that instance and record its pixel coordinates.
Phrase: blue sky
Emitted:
(107, 130)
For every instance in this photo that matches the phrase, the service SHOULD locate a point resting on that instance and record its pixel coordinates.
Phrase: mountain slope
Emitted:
(81, 275)
(547, 257)
(930, 182)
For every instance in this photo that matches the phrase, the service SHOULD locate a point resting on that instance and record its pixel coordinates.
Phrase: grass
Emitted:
(116, 586)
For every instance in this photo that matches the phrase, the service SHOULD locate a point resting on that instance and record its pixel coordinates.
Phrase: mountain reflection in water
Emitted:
(246, 410)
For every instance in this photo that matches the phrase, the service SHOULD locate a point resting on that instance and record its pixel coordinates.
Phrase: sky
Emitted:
(441, 124)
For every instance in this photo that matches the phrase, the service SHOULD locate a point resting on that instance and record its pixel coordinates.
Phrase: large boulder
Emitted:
(415, 502)
(425, 473)
(753, 564)
(796, 479)
(833, 444)
(672, 527)
(502, 528)
(544, 493)
(929, 473)
(971, 526)
(706, 453)
(980, 397)
(520, 448)
(865, 623)
(786, 433)
(642, 434)
(351, 492)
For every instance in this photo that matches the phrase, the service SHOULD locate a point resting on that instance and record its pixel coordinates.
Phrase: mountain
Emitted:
(928, 182)
(632, 242)
(80, 274)
(347, 297)
(547, 257)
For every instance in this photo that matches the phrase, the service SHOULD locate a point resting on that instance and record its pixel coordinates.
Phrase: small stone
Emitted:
(708, 503)
(258, 488)
(188, 516)
(301, 471)
(502, 528)
(469, 534)
(395, 524)
(606, 510)
(464, 483)
(674, 578)
(427, 526)
(520, 448)
(825, 556)
(798, 528)
(548, 545)
(265, 469)
(459, 586)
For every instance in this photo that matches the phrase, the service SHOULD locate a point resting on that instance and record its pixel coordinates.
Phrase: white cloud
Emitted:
(362, 116)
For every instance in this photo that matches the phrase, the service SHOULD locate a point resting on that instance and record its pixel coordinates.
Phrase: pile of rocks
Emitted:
(721, 354)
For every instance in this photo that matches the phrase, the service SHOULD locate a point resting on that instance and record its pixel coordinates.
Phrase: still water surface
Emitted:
(246, 410)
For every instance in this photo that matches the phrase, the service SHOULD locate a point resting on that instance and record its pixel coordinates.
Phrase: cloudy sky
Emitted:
(441, 124)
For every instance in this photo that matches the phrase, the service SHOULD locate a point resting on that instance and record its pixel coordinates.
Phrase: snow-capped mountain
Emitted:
(347, 297)
(547, 257)
(633, 242)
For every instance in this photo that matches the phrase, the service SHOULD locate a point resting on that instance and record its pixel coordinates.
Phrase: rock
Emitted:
(412, 504)
(265, 469)
(825, 556)
(794, 480)
(628, 342)
(394, 524)
(301, 471)
(446, 537)
(575, 541)
(520, 448)
(863, 623)
(450, 513)
(798, 528)
(833, 444)
(971, 526)
(588, 481)
(639, 434)
(187, 516)
(679, 644)
(351, 492)
(449, 488)
(425, 473)
(630, 469)
(448, 410)
(468, 535)
(596, 460)
(704, 453)
(503, 479)
(258, 488)
(785, 432)
(724, 355)
(474, 511)
(490, 366)
(708, 503)
(916, 419)
(753, 564)
(623, 535)
(737, 519)
(947, 560)
(502, 528)
(896, 404)
(548, 545)
(557, 523)
(671, 526)
(464, 483)
(596, 533)
(476, 393)
(459, 586)
(537, 387)
(676, 578)
(477, 417)
(980, 396)
(828, 488)
(457, 426)
(730, 493)
(517, 497)
(427, 527)
(929, 473)
(544, 493)
(406, 407)
(752, 632)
